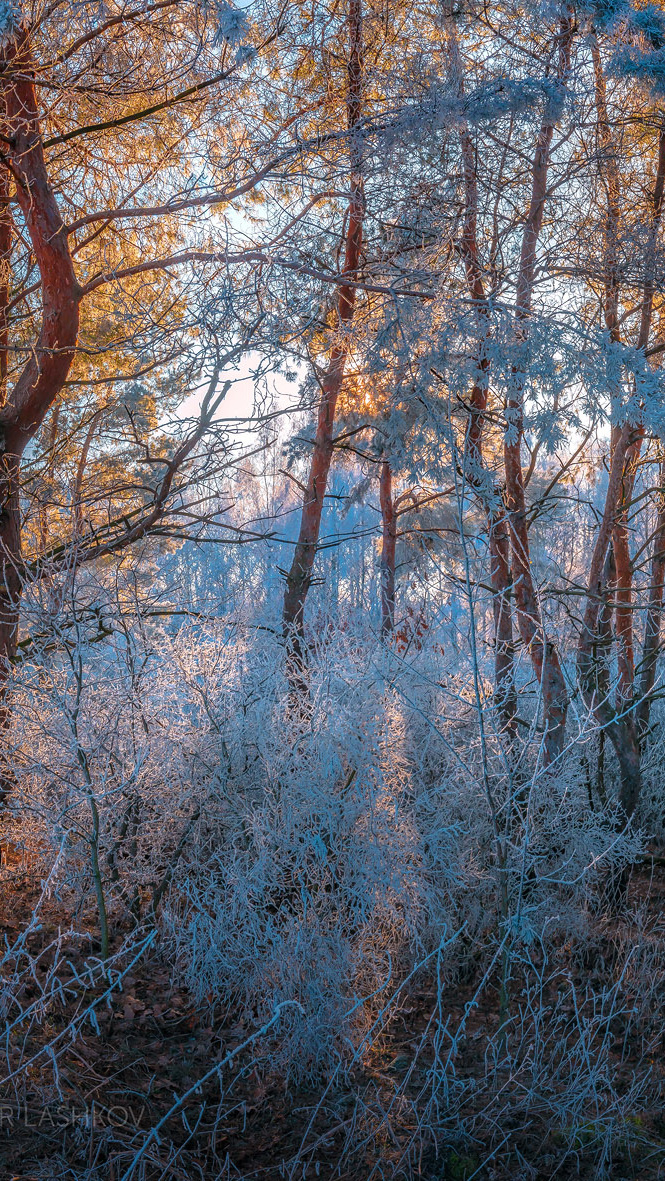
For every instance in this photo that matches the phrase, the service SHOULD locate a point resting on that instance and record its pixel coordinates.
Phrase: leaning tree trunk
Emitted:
(44, 373)
(299, 577)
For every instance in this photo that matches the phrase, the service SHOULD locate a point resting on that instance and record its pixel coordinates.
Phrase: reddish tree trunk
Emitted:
(621, 533)
(542, 651)
(299, 576)
(45, 372)
(474, 467)
(388, 546)
(594, 638)
(624, 724)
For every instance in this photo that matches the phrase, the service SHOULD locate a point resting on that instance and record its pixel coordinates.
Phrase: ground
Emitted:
(119, 1076)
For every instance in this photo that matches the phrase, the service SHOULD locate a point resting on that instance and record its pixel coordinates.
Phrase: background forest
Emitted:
(332, 567)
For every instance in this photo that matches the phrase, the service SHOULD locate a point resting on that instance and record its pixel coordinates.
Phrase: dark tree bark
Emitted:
(45, 372)
(626, 722)
(299, 577)
(651, 646)
(621, 533)
(475, 471)
(6, 235)
(541, 649)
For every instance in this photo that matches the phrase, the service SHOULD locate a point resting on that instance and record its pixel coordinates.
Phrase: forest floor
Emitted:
(152, 1043)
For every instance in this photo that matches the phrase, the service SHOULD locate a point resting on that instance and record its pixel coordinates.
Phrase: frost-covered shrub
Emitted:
(321, 883)
(311, 852)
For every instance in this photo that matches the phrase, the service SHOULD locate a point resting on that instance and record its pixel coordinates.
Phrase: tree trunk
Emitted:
(541, 649)
(627, 722)
(6, 235)
(46, 369)
(504, 646)
(10, 572)
(299, 577)
(474, 469)
(543, 654)
(621, 534)
(593, 673)
(9, 518)
(623, 563)
(590, 635)
(651, 647)
(388, 546)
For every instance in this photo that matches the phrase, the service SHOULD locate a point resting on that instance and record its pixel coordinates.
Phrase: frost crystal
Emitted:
(231, 23)
(11, 17)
